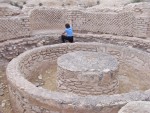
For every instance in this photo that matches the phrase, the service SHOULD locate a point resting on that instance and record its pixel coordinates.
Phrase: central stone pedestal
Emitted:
(87, 73)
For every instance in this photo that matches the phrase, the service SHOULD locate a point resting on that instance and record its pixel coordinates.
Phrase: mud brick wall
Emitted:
(14, 27)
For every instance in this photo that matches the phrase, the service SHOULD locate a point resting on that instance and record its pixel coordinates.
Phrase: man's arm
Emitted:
(71, 22)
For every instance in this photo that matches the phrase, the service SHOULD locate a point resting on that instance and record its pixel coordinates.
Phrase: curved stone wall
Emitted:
(87, 73)
(119, 23)
(27, 100)
(12, 48)
(124, 23)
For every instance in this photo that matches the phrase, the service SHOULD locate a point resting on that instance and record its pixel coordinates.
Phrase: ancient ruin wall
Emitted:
(122, 23)
(25, 99)
(141, 27)
(14, 27)
(12, 48)
(87, 73)
(109, 23)
(11, 24)
(148, 31)
(52, 19)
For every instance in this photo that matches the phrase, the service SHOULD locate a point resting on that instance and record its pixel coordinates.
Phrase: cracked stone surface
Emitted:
(88, 61)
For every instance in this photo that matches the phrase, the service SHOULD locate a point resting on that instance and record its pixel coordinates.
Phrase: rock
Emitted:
(42, 83)
(37, 84)
(39, 44)
(40, 77)
(136, 107)
(3, 104)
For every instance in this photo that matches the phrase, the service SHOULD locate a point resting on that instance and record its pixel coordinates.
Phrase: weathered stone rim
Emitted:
(61, 98)
(61, 59)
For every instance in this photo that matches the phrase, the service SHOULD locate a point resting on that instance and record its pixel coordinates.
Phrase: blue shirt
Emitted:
(69, 32)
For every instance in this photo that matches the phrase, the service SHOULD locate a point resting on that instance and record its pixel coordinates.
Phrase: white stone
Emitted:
(3, 104)
(106, 70)
(40, 77)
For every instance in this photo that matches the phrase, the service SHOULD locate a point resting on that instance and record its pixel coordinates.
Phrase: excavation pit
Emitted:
(87, 73)
(132, 74)
(31, 27)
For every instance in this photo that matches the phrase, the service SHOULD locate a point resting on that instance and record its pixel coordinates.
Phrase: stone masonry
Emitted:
(11, 24)
(125, 23)
(87, 73)
(39, 100)
(14, 27)
(14, 24)
(16, 36)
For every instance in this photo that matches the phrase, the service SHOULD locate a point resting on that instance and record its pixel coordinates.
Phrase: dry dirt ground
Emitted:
(87, 3)
(5, 106)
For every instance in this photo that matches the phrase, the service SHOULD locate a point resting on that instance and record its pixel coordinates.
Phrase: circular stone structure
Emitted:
(27, 98)
(87, 73)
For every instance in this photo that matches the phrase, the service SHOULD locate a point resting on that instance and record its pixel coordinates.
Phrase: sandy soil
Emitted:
(129, 79)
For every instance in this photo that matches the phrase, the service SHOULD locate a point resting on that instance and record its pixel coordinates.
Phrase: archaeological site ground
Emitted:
(105, 70)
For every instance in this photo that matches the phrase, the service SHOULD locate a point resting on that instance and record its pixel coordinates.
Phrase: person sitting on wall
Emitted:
(67, 34)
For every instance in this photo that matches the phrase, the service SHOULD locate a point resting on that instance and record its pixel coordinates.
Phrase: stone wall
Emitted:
(105, 23)
(14, 27)
(12, 48)
(142, 26)
(52, 19)
(89, 84)
(87, 73)
(148, 31)
(39, 100)
(124, 23)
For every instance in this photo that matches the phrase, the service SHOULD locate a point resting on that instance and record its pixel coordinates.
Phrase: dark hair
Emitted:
(67, 25)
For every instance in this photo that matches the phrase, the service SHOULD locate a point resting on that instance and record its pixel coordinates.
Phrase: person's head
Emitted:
(67, 25)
